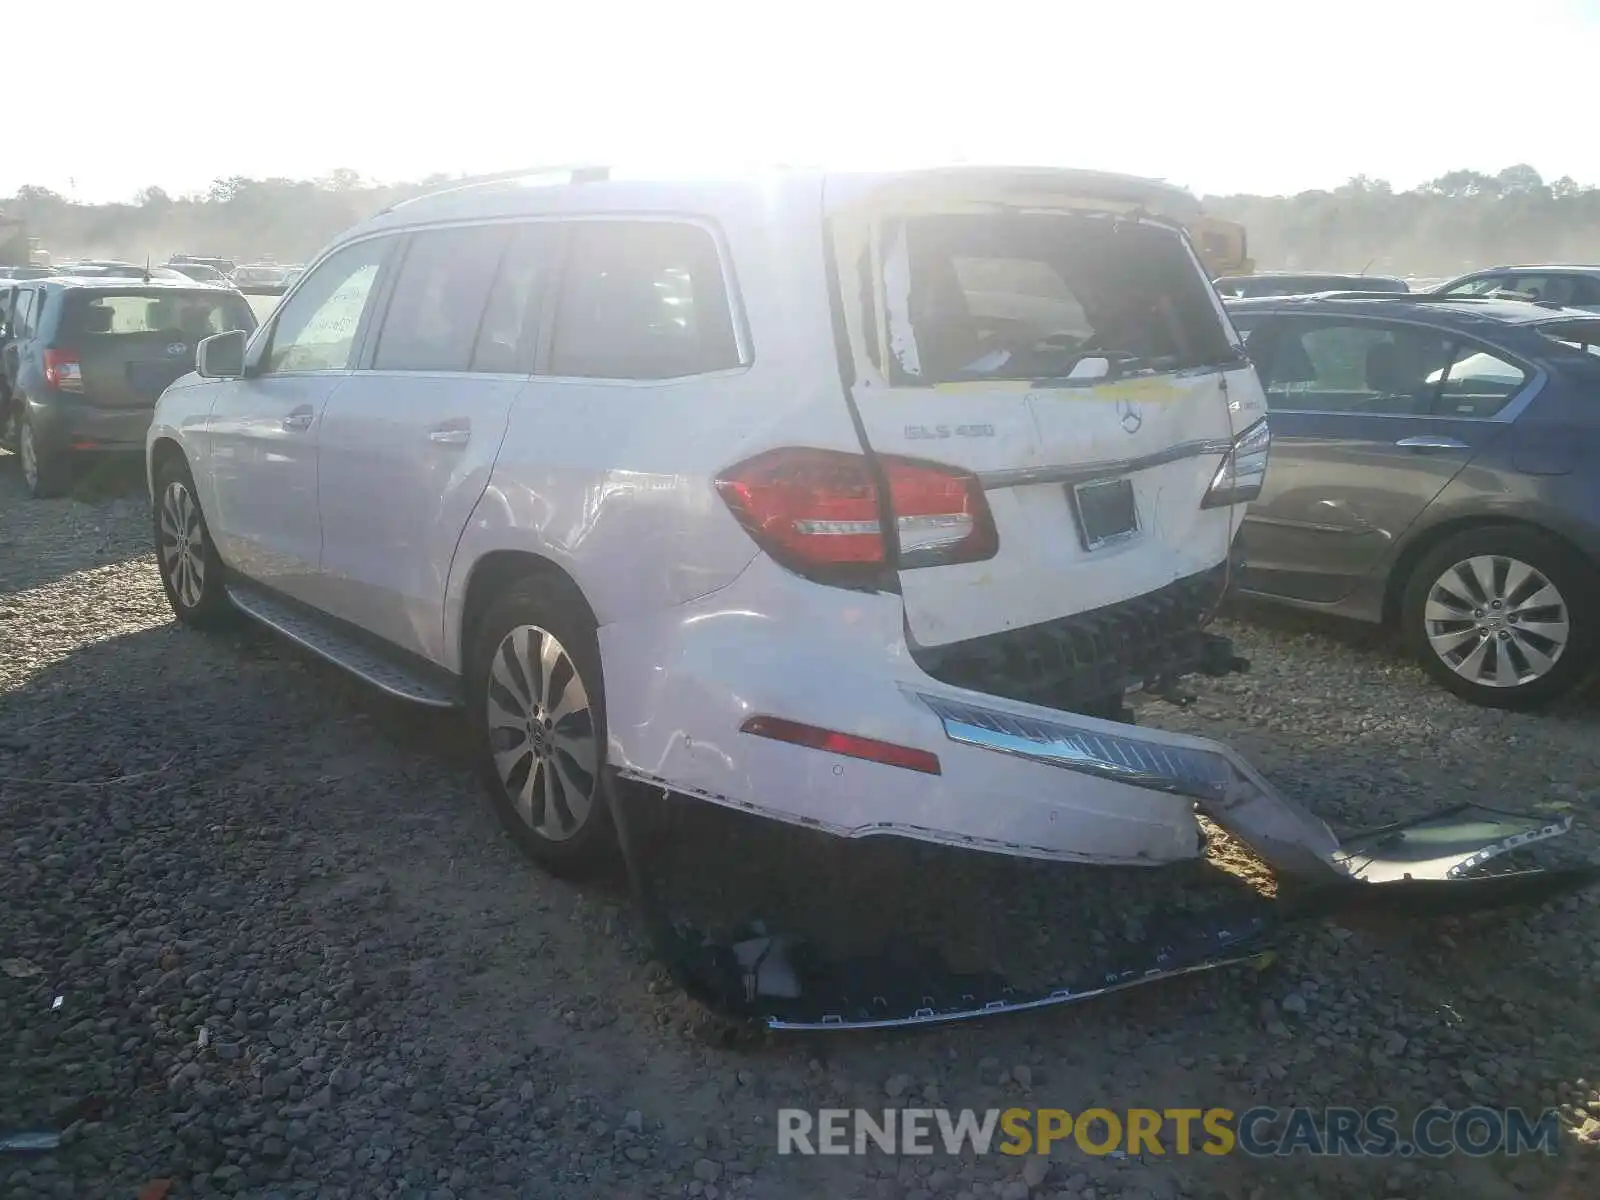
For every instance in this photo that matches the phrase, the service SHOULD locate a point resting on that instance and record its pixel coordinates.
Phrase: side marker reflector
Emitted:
(847, 744)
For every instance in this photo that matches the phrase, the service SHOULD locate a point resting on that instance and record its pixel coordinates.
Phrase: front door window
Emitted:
(316, 328)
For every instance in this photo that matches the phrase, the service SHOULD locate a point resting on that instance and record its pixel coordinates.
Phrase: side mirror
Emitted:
(220, 356)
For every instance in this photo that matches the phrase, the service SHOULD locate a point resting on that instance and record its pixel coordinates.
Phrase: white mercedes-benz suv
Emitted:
(856, 501)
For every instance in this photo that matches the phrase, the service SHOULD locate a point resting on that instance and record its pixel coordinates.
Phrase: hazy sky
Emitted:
(1217, 95)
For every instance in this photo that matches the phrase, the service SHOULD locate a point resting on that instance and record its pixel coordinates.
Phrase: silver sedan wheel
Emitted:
(29, 453)
(1496, 621)
(183, 558)
(541, 732)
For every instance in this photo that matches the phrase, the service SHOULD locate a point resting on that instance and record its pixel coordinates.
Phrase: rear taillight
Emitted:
(818, 511)
(62, 371)
(1243, 472)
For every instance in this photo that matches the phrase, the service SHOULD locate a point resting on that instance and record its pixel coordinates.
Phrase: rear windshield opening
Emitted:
(178, 316)
(1025, 296)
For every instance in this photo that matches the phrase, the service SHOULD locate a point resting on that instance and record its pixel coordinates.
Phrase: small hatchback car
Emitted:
(855, 501)
(84, 360)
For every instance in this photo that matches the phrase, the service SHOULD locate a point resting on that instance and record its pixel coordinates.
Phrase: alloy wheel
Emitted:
(183, 556)
(1496, 621)
(541, 733)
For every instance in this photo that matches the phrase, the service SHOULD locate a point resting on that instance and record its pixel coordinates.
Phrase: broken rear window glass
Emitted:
(1024, 296)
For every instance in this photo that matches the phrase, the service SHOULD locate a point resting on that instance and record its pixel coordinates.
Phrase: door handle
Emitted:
(1433, 443)
(450, 433)
(300, 419)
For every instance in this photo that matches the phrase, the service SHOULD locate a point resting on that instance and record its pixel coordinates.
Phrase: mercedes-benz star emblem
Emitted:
(1132, 418)
(174, 349)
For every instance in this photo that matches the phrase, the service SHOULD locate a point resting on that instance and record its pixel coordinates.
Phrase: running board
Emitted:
(383, 670)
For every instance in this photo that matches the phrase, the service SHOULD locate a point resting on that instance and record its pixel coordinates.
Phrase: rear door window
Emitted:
(1478, 384)
(642, 300)
(1351, 367)
(439, 299)
(1024, 296)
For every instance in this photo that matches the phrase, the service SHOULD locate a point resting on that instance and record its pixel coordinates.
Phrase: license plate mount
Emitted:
(1105, 511)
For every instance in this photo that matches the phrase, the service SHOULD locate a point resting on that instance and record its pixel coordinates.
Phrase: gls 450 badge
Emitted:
(925, 433)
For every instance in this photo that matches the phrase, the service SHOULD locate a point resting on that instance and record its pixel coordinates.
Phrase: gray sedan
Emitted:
(1436, 465)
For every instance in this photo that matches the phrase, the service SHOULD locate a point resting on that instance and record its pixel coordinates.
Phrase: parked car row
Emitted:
(1566, 286)
(261, 279)
(1301, 283)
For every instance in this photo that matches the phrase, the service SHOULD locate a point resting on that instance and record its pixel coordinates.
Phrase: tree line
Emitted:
(1459, 221)
(1455, 223)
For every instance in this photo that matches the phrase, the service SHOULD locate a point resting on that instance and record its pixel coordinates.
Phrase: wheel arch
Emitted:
(498, 569)
(162, 451)
(1418, 547)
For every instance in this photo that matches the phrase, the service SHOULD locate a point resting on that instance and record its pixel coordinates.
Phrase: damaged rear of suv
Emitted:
(1037, 468)
(857, 502)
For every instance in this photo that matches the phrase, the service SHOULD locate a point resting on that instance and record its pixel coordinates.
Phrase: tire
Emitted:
(544, 780)
(8, 422)
(44, 475)
(192, 574)
(1471, 606)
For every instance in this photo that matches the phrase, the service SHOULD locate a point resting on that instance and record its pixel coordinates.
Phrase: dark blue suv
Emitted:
(1436, 465)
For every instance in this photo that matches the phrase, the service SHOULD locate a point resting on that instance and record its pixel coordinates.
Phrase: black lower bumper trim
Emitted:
(788, 984)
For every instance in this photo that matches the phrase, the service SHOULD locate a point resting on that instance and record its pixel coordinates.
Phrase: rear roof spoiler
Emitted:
(1153, 196)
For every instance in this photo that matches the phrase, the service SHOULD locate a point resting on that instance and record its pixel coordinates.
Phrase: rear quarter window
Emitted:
(642, 300)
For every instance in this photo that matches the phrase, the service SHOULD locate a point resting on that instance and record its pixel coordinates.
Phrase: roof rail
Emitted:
(582, 173)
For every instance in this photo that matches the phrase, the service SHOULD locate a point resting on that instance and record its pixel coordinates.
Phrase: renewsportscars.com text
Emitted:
(1257, 1132)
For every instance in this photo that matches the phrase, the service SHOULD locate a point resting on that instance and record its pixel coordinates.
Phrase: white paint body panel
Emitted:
(394, 500)
(680, 683)
(1042, 571)
(262, 482)
(365, 518)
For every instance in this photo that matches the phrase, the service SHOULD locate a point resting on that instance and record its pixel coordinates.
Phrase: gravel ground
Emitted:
(263, 938)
